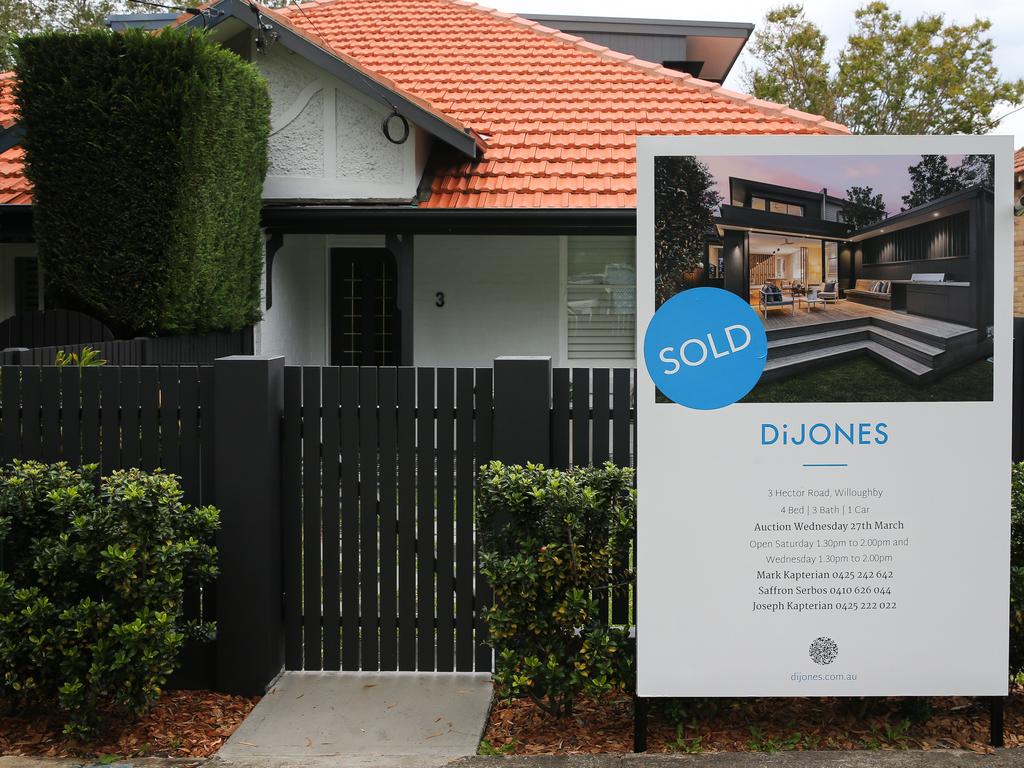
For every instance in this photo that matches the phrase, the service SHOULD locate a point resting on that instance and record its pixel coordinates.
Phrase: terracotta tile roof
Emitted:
(559, 115)
(8, 111)
(1018, 161)
(14, 187)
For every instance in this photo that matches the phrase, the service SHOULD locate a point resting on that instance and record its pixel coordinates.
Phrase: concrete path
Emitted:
(363, 719)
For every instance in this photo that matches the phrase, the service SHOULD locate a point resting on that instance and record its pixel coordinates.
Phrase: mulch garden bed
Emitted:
(762, 725)
(181, 724)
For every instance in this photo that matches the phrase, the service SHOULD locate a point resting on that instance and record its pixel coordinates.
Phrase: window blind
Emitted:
(601, 298)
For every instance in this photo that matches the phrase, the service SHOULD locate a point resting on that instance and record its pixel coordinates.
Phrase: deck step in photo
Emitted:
(788, 365)
(928, 354)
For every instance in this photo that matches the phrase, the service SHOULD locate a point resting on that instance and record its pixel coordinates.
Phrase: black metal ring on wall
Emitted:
(386, 128)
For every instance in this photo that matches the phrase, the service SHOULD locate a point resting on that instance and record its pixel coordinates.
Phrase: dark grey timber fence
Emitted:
(347, 495)
(379, 479)
(42, 328)
(198, 349)
(119, 417)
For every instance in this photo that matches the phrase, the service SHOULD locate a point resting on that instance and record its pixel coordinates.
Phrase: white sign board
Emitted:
(843, 529)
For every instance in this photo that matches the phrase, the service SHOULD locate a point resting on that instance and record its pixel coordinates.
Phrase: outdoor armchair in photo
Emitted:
(829, 291)
(770, 297)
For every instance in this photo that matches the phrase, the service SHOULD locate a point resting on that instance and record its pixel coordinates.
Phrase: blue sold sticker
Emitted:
(705, 348)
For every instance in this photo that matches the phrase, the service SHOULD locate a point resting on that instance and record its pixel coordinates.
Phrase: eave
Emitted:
(735, 217)
(415, 110)
(940, 208)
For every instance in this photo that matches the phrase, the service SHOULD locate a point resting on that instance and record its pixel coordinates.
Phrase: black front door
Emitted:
(364, 313)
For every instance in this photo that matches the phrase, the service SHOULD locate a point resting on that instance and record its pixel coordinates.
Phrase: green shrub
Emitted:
(1017, 569)
(147, 154)
(91, 591)
(551, 544)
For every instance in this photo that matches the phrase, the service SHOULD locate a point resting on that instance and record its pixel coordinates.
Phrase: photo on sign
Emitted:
(872, 275)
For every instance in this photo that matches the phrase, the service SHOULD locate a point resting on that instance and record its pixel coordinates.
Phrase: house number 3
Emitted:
(439, 299)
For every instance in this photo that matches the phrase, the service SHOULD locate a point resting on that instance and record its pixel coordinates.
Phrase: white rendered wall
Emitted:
(326, 141)
(502, 297)
(296, 325)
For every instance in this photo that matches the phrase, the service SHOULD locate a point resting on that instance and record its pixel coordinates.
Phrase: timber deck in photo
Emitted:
(918, 347)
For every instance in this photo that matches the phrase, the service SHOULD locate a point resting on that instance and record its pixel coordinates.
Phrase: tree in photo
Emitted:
(685, 200)
(891, 76)
(863, 207)
(978, 171)
(933, 177)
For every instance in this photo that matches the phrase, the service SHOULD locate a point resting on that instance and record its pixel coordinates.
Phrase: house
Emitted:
(914, 289)
(447, 183)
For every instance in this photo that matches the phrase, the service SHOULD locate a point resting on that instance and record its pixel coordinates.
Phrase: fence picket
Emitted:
(291, 517)
(71, 415)
(31, 395)
(169, 441)
(560, 425)
(580, 417)
(312, 640)
(349, 518)
(425, 520)
(445, 520)
(331, 396)
(90, 415)
(50, 424)
(407, 518)
(483, 443)
(10, 399)
(464, 485)
(620, 456)
(110, 412)
(190, 458)
(388, 398)
(130, 446)
(368, 521)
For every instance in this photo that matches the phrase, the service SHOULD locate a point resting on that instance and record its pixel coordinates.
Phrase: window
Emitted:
(776, 206)
(601, 298)
(716, 262)
(832, 259)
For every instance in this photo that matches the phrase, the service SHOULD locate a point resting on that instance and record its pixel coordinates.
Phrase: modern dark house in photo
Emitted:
(914, 291)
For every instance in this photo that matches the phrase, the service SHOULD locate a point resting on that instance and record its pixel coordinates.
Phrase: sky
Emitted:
(835, 173)
(835, 17)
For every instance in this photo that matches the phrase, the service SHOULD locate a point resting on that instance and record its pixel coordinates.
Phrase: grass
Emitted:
(863, 380)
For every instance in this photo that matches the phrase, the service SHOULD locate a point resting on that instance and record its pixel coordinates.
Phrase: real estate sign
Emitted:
(824, 415)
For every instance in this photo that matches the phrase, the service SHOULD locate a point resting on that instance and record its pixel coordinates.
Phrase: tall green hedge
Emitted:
(147, 153)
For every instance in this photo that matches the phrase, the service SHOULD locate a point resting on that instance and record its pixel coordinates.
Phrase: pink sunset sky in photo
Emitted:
(884, 173)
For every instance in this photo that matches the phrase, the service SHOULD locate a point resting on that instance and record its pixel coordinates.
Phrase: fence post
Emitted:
(14, 356)
(522, 410)
(248, 403)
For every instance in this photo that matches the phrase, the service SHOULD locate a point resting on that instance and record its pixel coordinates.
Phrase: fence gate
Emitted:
(379, 547)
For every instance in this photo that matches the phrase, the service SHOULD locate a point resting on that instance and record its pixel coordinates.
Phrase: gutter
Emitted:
(327, 219)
